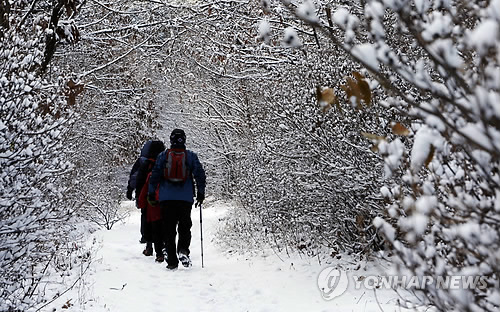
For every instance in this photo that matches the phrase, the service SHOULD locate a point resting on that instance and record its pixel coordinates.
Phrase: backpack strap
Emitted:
(151, 164)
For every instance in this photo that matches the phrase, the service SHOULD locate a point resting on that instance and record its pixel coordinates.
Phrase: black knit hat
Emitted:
(178, 139)
(156, 148)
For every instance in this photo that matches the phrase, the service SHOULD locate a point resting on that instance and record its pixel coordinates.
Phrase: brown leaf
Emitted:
(328, 95)
(318, 93)
(44, 109)
(360, 221)
(372, 136)
(366, 93)
(355, 91)
(430, 156)
(73, 91)
(357, 75)
(347, 89)
(70, 6)
(357, 88)
(67, 305)
(399, 129)
(326, 98)
(364, 88)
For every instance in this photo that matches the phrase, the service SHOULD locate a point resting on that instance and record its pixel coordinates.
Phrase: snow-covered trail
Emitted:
(125, 280)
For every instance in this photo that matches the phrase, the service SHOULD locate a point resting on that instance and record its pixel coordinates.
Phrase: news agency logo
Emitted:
(332, 283)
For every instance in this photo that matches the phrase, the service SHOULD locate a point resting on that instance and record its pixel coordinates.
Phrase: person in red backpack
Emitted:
(176, 173)
(152, 228)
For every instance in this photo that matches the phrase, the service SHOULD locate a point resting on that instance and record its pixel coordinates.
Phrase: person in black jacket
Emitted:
(177, 197)
(136, 183)
(151, 230)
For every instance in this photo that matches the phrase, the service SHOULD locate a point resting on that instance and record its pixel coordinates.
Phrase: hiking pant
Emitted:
(153, 233)
(143, 223)
(176, 216)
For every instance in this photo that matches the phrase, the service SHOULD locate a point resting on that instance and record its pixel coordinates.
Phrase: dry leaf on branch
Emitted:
(73, 90)
(372, 136)
(376, 138)
(326, 98)
(399, 129)
(357, 88)
(430, 156)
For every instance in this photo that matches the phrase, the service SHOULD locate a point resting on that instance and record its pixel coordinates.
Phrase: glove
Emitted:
(199, 199)
(152, 200)
(129, 193)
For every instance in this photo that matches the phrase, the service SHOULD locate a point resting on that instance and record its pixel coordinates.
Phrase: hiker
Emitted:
(152, 227)
(132, 184)
(175, 172)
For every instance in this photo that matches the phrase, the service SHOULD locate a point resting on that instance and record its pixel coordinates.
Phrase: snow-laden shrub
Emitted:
(439, 64)
(35, 115)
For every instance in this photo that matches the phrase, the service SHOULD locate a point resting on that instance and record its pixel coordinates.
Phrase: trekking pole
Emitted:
(201, 235)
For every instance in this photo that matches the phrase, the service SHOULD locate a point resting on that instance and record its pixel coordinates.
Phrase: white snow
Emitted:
(122, 279)
(424, 139)
(367, 54)
(415, 224)
(374, 9)
(426, 204)
(476, 133)
(341, 17)
(439, 27)
(264, 29)
(447, 52)
(307, 12)
(389, 231)
(386, 193)
(494, 9)
(291, 39)
(422, 6)
(480, 37)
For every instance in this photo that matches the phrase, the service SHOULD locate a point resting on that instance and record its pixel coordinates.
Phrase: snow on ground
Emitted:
(122, 279)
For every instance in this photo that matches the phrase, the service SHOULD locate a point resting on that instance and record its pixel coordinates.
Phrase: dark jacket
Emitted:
(132, 180)
(144, 165)
(178, 191)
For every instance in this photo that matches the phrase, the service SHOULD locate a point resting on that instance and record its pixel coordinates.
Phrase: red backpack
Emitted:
(176, 169)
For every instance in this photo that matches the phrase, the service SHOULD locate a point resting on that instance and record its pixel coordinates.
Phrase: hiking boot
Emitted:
(185, 260)
(148, 252)
(172, 267)
(160, 258)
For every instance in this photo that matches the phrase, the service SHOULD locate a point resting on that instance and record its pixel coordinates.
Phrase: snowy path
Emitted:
(125, 280)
